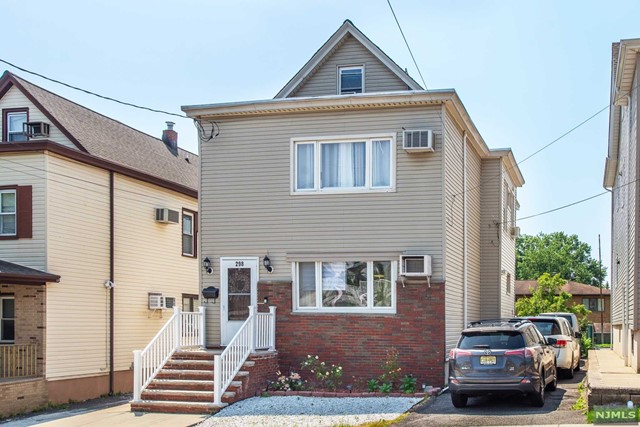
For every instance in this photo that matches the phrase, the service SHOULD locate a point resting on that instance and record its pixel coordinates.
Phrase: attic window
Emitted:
(13, 122)
(350, 80)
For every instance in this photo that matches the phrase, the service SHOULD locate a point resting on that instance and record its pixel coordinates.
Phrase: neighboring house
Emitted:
(81, 247)
(318, 201)
(598, 303)
(621, 175)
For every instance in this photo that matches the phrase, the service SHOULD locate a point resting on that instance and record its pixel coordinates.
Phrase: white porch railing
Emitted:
(181, 330)
(257, 332)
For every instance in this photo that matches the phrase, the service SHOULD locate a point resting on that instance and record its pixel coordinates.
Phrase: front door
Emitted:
(238, 289)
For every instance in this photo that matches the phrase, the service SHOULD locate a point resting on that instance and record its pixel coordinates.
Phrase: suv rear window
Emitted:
(548, 327)
(499, 340)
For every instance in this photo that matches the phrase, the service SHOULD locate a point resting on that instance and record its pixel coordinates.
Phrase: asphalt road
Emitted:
(501, 411)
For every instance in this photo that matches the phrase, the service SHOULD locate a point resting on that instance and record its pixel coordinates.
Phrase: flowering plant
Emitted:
(291, 382)
(329, 376)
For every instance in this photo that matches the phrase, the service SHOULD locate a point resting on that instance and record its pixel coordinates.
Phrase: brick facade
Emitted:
(264, 370)
(22, 396)
(359, 342)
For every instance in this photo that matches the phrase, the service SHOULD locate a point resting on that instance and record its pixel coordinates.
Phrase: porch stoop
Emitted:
(185, 385)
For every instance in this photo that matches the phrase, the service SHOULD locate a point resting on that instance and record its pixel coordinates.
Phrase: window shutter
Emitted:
(24, 211)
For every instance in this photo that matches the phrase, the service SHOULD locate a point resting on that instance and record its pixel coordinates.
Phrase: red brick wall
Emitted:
(359, 342)
(264, 370)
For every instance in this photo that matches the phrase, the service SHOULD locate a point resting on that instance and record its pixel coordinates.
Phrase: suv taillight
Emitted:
(522, 352)
(561, 343)
(455, 353)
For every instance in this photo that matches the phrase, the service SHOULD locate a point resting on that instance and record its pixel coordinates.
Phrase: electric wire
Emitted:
(214, 133)
(570, 204)
(108, 98)
(96, 184)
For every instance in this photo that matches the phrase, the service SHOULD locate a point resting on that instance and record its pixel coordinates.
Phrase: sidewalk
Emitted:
(609, 381)
(119, 415)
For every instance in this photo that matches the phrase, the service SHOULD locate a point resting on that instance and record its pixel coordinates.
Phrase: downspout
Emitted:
(112, 279)
(464, 232)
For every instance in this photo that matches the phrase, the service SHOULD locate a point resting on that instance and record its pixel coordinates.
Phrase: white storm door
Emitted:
(238, 290)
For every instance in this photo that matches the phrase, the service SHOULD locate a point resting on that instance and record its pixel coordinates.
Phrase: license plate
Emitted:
(487, 360)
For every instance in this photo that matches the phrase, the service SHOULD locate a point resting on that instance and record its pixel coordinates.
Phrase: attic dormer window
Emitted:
(350, 80)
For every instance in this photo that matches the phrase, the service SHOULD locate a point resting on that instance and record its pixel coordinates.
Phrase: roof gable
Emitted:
(108, 139)
(347, 33)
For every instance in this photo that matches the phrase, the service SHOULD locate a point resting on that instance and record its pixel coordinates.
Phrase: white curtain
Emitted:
(381, 175)
(343, 165)
(305, 177)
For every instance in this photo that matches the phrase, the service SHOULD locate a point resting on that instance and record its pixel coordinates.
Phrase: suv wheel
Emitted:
(553, 385)
(459, 400)
(537, 398)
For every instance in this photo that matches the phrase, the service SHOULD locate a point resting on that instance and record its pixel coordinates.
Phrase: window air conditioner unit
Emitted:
(156, 301)
(415, 265)
(515, 231)
(414, 141)
(167, 216)
(35, 129)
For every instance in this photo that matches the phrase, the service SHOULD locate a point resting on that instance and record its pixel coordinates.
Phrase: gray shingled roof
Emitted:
(10, 271)
(116, 142)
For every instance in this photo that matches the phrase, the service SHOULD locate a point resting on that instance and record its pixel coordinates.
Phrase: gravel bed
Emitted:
(299, 411)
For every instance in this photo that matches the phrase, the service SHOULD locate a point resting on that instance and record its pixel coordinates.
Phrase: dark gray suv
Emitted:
(502, 356)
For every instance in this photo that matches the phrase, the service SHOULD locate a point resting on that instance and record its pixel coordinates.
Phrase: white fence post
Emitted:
(203, 335)
(217, 380)
(252, 328)
(272, 327)
(177, 328)
(137, 375)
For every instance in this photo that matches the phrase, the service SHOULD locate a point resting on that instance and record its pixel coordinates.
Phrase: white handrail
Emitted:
(257, 332)
(181, 330)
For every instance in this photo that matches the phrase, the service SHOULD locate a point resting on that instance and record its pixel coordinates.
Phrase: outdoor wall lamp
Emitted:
(267, 264)
(265, 300)
(206, 265)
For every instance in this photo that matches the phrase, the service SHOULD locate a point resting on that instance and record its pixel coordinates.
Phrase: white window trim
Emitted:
(2, 315)
(349, 67)
(193, 240)
(19, 131)
(344, 310)
(318, 140)
(15, 214)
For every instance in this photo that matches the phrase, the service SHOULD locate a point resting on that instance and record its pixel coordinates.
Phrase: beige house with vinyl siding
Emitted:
(80, 246)
(620, 175)
(317, 201)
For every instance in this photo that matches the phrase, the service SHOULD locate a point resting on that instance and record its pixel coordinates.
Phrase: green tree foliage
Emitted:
(549, 297)
(556, 253)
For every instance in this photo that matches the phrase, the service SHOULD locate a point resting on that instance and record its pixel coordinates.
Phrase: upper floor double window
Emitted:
(344, 165)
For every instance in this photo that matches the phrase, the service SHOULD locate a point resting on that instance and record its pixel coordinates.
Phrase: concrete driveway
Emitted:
(501, 411)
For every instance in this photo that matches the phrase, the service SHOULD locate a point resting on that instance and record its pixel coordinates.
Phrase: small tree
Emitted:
(549, 297)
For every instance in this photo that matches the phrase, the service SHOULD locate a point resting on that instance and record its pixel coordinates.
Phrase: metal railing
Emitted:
(257, 332)
(18, 361)
(181, 330)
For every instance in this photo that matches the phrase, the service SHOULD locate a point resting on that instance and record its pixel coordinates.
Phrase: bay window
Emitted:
(344, 165)
(346, 286)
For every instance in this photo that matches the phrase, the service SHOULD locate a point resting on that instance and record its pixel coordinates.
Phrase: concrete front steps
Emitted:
(185, 385)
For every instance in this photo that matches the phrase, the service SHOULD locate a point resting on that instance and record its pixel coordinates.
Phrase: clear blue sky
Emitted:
(527, 71)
